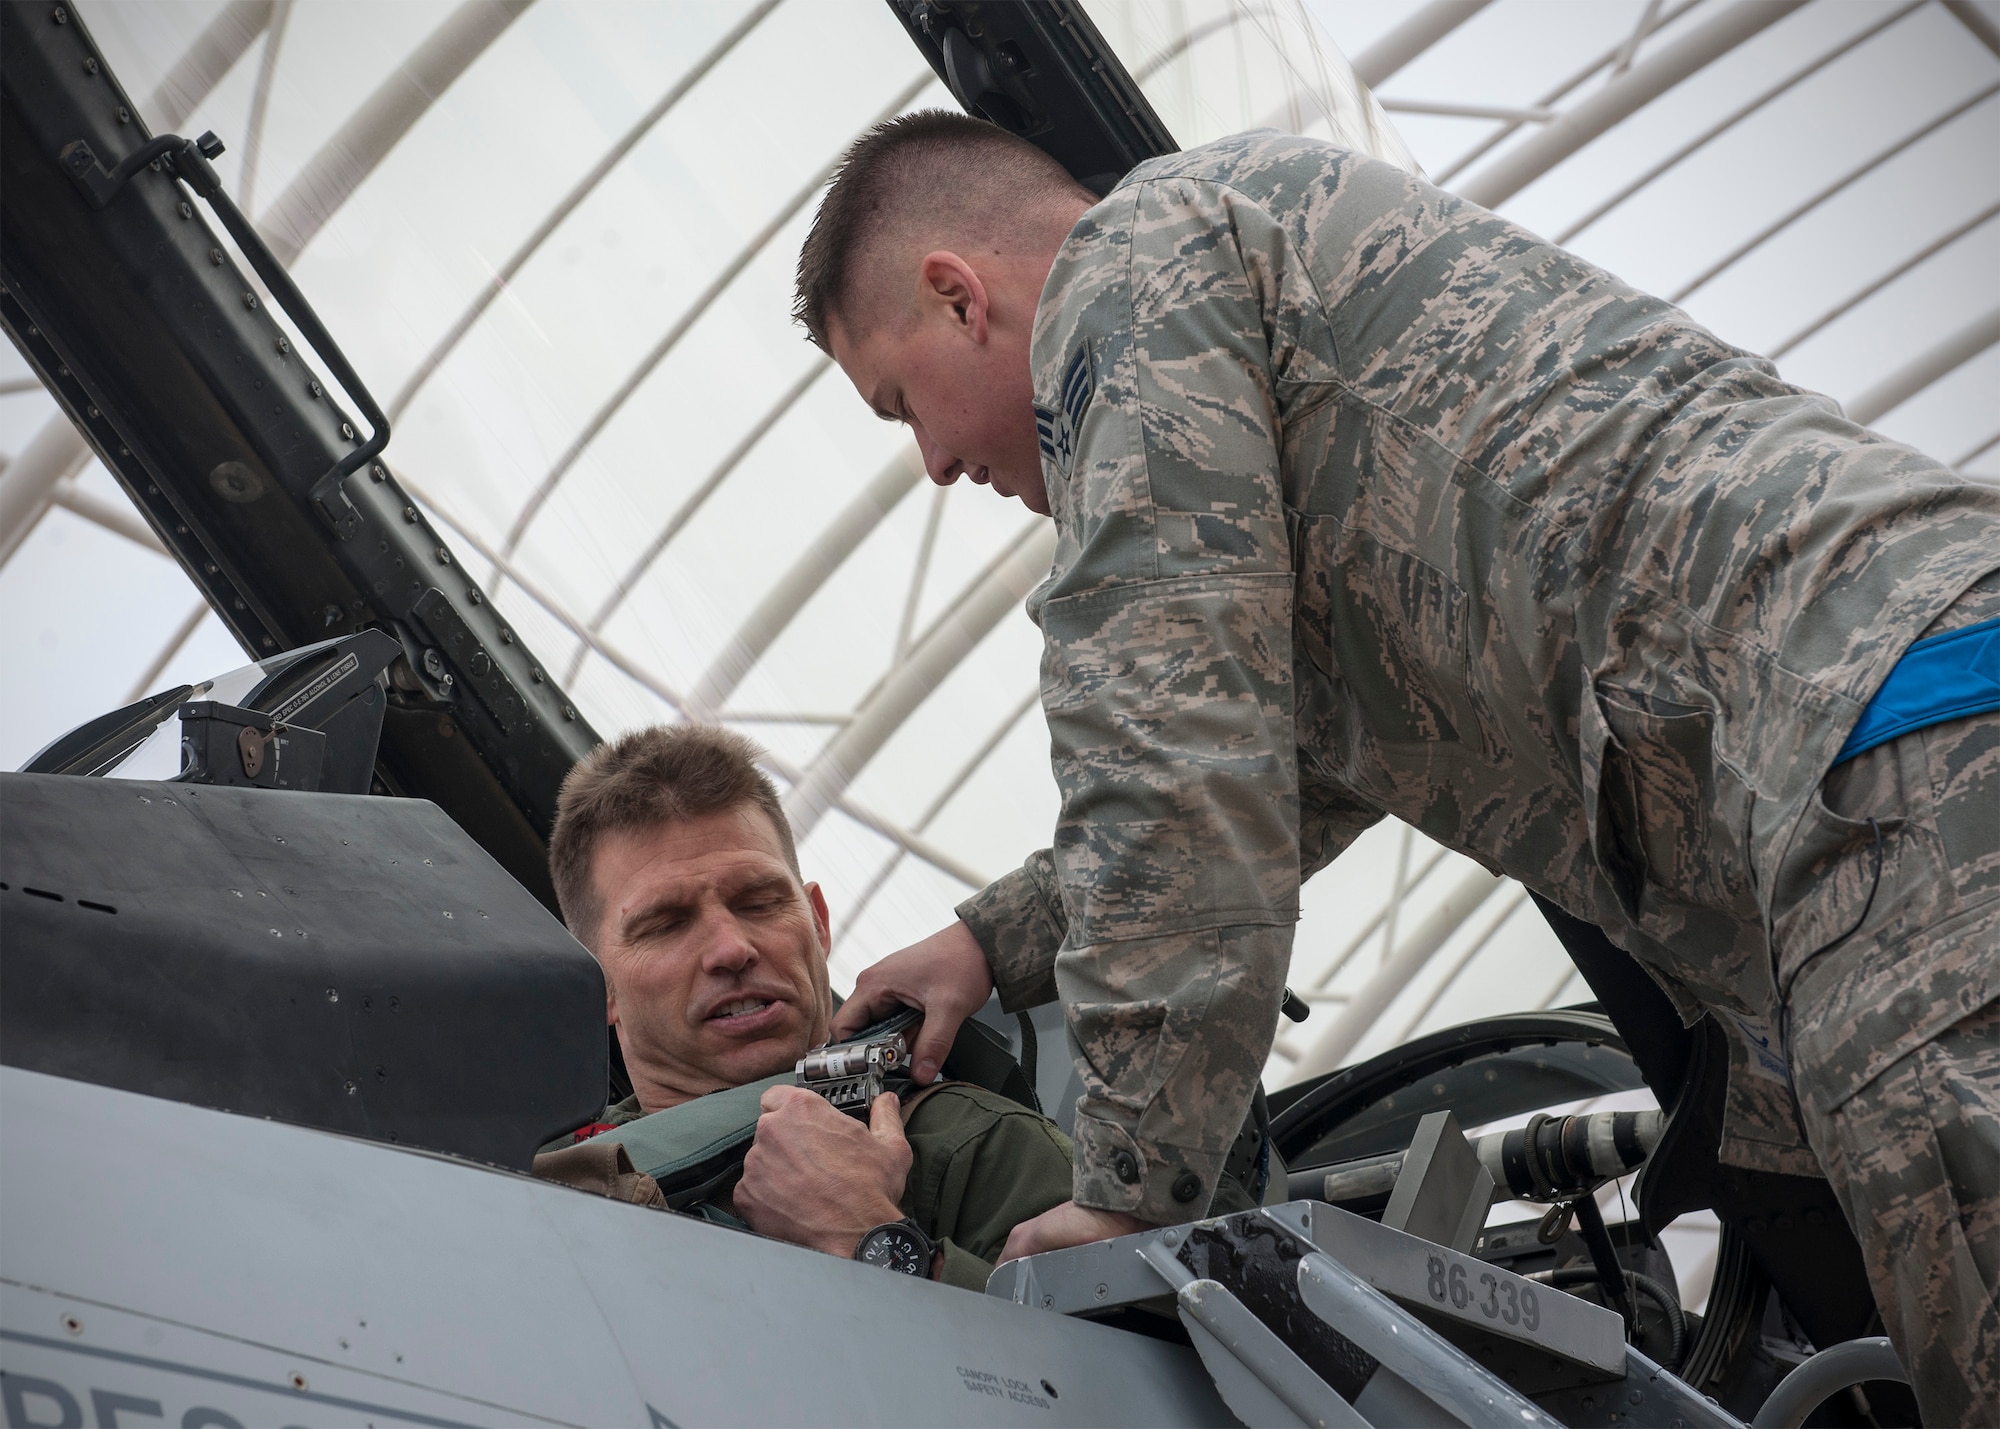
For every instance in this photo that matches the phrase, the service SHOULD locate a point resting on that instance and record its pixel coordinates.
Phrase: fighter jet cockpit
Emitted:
(413, 392)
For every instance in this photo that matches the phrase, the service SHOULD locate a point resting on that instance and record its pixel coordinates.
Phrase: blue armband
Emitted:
(1945, 677)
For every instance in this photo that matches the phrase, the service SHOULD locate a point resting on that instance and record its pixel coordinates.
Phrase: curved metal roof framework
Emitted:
(562, 235)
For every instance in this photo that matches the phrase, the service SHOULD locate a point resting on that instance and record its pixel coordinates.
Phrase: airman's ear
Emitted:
(952, 289)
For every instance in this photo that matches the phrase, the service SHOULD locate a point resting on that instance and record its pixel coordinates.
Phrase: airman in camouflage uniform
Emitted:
(1369, 501)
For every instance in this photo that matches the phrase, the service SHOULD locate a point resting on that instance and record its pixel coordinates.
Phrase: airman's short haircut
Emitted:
(932, 174)
(643, 780)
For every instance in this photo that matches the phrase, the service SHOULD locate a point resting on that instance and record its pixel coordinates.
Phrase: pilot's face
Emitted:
(714, 954)
(955, 370)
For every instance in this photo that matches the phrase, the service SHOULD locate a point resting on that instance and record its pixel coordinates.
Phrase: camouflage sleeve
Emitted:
(1167, 679)
(1019, 922)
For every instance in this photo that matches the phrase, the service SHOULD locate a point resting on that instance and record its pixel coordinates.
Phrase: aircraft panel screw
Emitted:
(249, 299)
(410, 514)
(94, 413)
(187, 211)
(536, 674)
(377, 472)
(347, 430)
(72, 1324)
(315, 388)
(90, 64)
(569, 711)
(124, 115)
(284, 343)
(1102, 1291)
(215, 256)
(61, 15)
(444, 556)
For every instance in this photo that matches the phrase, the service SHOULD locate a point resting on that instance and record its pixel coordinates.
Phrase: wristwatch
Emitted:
(899, 1245)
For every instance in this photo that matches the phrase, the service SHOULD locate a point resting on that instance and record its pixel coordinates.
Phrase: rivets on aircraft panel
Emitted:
(446, 912)
(94, 413)
(213, 569)
(1171, 1238)
(72, 1324)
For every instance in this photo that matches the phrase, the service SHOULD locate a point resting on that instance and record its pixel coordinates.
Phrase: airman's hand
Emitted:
(1061, 1227)
(817, 1177)
(945, 975)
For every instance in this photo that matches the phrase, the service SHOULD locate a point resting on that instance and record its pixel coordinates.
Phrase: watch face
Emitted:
(895, 1247)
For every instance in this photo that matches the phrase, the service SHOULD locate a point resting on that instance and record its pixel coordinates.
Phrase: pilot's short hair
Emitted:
(643, 780)
(921, 171)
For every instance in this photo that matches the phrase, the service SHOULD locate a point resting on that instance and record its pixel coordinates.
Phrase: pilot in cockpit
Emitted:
(674, 864)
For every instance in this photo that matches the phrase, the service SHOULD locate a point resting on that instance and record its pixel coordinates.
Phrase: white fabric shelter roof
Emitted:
(557, 238)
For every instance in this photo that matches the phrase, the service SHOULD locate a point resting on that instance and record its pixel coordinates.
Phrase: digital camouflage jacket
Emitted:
(1369, 501)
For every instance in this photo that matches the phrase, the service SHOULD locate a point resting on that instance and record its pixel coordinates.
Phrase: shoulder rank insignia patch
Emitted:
(1058, 430)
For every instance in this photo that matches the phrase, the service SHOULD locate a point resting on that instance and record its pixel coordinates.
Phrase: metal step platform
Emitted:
(1305, 1314)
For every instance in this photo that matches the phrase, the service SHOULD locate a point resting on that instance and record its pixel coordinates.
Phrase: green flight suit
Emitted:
(1369, 501)
(980, 1165)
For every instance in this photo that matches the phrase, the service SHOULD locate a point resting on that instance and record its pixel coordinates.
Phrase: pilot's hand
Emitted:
(945, 975)
(1061, 1227)
(817, 1177)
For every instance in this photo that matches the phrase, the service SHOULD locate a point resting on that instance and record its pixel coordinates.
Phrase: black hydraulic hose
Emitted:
(1660, 1295)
